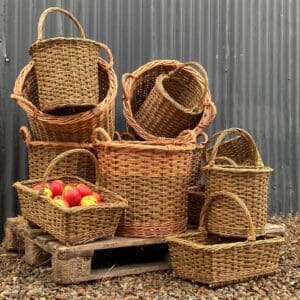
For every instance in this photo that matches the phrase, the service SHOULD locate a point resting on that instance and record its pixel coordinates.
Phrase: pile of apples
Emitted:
(70, 194)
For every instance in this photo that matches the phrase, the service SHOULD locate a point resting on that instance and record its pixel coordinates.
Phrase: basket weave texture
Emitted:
(196, 199)
(66, 68)
(41, 153)
(76, 225)
(152, 177)
(175, 102)
(70, 124)
(248, 182)
(217, 261)
(137, 87)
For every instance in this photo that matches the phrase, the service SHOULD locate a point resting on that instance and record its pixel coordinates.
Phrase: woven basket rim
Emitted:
(182, 239)
(122, 203)
(238, 169)
(145, 145)
(68, 119)
(56, 40)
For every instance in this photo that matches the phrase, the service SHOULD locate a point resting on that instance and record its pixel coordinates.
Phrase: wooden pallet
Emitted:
(105, 258)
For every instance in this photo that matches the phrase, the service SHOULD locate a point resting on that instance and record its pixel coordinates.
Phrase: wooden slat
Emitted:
(124, 270)
(276, 229)
(111, 243)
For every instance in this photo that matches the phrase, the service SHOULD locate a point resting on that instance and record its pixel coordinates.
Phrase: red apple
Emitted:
(58, 200)
(83, 189)
(88, 200)
(71, 195)
(39, 186)
(57, 187)
(97, 196)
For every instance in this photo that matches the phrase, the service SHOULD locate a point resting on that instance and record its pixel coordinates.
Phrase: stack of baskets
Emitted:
(68, 94)
(231, 244)
(66, 91)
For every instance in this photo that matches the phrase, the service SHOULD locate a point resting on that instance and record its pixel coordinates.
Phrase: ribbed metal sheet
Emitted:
(251, 50)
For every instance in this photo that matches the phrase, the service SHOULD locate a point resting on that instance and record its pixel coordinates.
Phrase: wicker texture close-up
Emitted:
(76, 225)
(66, 68)
(196, 199)
(41, 153)
(175, 102)
(137, 87)
(69, 124)
(218, 261)
(153, 177)
(249, 182)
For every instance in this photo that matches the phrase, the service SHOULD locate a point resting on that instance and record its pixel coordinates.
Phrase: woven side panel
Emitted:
(59, 86)
(40, 156)
(153, 183)
(225, 218)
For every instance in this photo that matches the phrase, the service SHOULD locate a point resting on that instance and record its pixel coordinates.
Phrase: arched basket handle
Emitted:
(212, 197)
(65, 154)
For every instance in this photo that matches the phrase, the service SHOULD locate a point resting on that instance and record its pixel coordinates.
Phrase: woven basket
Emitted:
(76, 225)
(175, 102)
(41, 153)
(153, 177)
(217, 261)
(137, 87)
(196, 198)
(66, 68)
(70, 124)
(249, 182)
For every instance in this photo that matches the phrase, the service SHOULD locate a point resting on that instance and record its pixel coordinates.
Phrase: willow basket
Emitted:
(217, 261)
(66, 68)
(196, 199)
(152, 177)
(175, 102)
(69, 124)
(138, 85)
(76, 225)
(41, 153)
(248, 182)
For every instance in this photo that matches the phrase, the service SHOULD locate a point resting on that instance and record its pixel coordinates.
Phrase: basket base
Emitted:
(149, 230)
(242, 278)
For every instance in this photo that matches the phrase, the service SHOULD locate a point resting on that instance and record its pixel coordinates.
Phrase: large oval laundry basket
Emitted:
(66, 68)
(249, 182)
(41, 153)
(137, 87)
(153, 177)
(72, 125)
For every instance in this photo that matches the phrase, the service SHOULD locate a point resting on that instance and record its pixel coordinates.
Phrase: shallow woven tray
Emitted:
(76, 225)
(217, 261)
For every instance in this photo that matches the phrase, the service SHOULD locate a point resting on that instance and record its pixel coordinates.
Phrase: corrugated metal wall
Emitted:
(251, 49)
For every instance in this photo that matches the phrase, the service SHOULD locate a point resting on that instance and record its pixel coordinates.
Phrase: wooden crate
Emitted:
(106, 258)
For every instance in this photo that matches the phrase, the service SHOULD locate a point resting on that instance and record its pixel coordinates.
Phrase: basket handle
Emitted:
(125, 78)
(227, 159)
(65, 154)
(25, 134)
(219, 136)
(102, 134)
(192, 64)
(43, 16)
(231, 196)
